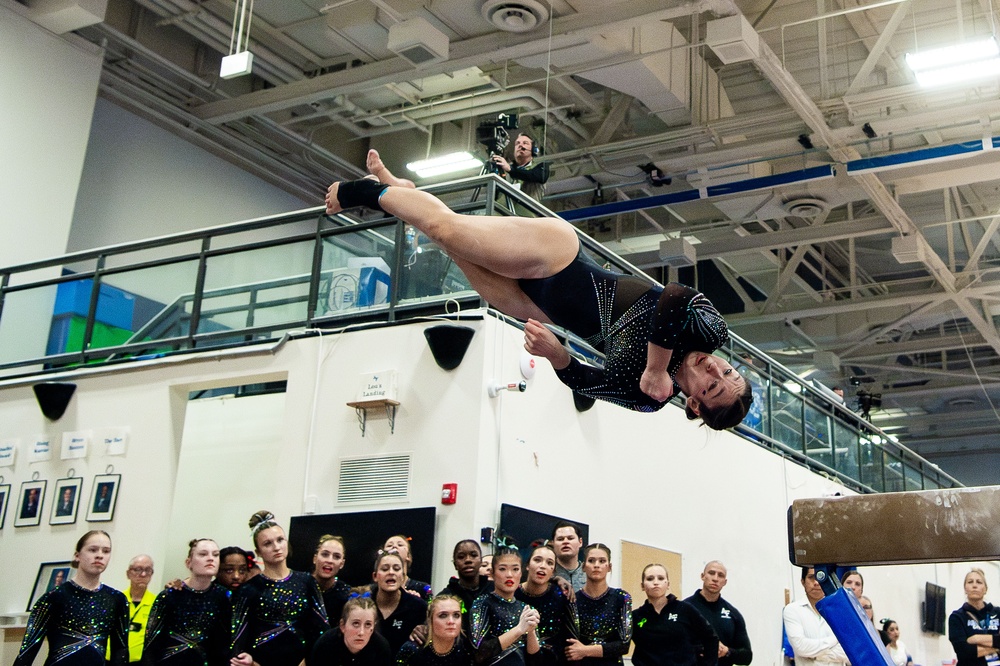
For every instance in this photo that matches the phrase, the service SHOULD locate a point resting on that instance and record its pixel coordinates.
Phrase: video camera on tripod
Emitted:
(494, 136)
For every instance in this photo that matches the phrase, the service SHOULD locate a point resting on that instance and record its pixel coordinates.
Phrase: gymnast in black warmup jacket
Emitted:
(667, 631)
(655, 340)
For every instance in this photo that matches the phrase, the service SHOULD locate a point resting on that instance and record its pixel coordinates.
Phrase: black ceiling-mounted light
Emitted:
(805, 141)
(657, 178)
(53, 398)
(449, 343)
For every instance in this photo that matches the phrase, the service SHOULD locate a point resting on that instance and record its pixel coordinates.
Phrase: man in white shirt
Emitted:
(811, 637)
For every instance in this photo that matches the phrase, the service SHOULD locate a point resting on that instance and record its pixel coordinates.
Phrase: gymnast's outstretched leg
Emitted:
(513, 247)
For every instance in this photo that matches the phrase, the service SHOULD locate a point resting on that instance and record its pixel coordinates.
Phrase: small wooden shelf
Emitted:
(361, 408)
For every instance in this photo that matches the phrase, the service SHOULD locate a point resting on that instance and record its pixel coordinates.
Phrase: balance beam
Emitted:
(953, 525)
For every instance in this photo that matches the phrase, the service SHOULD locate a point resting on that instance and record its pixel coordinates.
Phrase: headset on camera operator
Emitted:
(494, 136)
(528, 176)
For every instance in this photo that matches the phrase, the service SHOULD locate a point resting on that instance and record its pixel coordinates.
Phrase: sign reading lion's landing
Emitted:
(377, 386)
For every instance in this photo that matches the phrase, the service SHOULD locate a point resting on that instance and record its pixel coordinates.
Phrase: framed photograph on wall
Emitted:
(101, 508)
(66, 500)
(4, 496)
(29, 505)
(50, 576)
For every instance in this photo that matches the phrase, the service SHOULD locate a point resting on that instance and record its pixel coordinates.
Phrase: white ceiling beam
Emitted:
(878, 50)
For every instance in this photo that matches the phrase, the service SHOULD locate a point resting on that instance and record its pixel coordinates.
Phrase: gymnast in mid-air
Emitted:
(656, 340)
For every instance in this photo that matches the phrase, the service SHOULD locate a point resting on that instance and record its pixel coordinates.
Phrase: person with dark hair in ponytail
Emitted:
(445, 645)
(656, 340)
(503, 627)
(278, 614)
(189, 625)
(328, 559)
(83, 619)
(354, 642)
(557, 613)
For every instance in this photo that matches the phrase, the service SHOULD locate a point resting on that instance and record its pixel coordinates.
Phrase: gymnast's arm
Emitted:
(540, 341)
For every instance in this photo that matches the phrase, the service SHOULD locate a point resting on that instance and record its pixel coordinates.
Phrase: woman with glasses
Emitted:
(83, 619)
(605, 614)
(974, 629)
(189, 624)
(278, 614)
(139, 574)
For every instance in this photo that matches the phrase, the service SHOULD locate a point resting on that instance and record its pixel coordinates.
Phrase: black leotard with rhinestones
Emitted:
(617, 315)
(278, 621)
(80, 624)
(188, 627)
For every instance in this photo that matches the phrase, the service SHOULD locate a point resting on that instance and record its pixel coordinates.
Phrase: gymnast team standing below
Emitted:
(224, 614)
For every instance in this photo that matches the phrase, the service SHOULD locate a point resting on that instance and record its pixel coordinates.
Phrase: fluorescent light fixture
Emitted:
(450, 163)
(953, 64)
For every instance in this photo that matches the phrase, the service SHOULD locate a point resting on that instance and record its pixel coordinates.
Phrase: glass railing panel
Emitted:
(819, 444)
(146, 304)
(871, 464)
(893, 472)
(758, 416)
(912, 477)
(786, 418)
(846, 450)
(261, 287)
(28, 329)
(356, 271)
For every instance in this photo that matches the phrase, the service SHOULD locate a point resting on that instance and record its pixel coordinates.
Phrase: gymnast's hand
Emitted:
(242, 659)
(657, 384)
(540, 341)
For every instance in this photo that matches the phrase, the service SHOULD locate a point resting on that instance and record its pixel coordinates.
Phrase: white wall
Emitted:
(202, 469)
(50, 85)
(140, 181)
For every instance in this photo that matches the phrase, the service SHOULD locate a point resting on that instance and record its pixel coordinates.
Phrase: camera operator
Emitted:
(530, 178)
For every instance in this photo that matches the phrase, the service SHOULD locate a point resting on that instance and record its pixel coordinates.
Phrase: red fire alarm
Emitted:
(449, 493)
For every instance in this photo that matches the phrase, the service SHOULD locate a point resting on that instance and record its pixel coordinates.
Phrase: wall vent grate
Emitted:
(374, 479)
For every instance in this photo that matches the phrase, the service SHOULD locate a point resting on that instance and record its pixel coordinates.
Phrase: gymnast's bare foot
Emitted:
(378, 169)
(332, 204)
